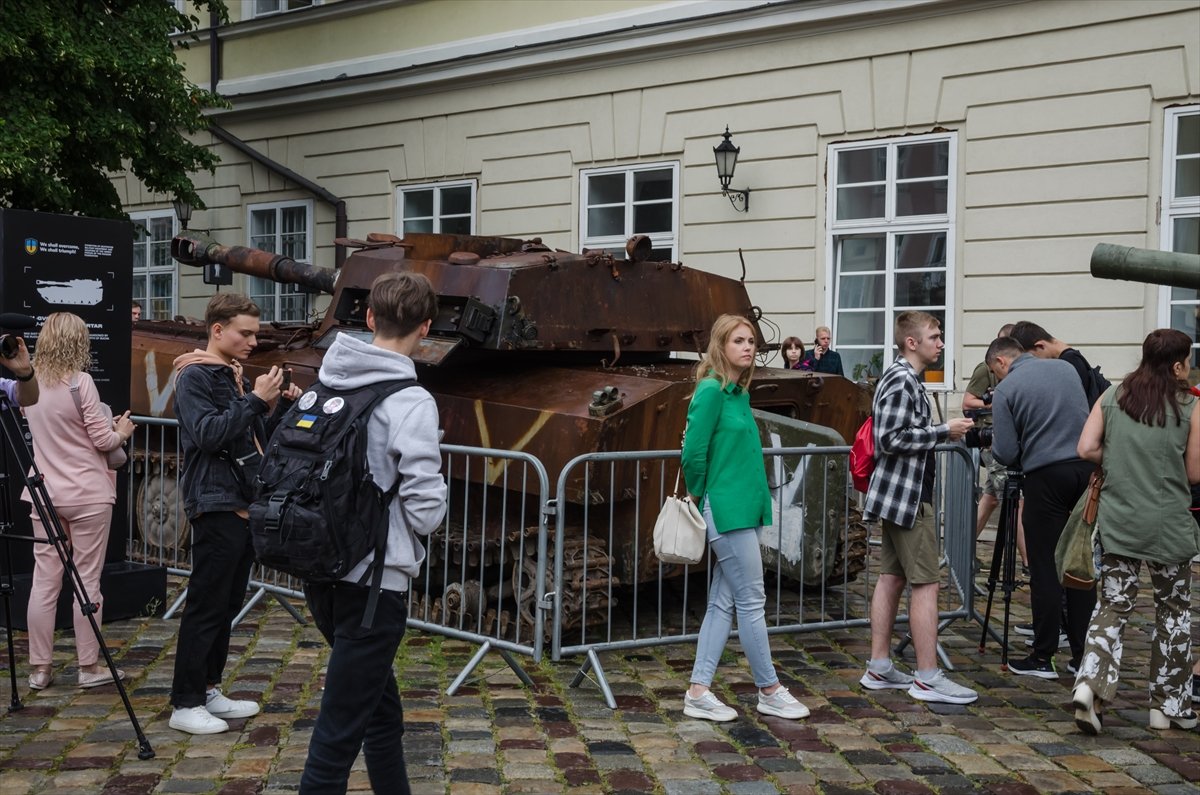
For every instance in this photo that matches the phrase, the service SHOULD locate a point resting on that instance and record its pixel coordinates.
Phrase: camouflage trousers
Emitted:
(1170, 648)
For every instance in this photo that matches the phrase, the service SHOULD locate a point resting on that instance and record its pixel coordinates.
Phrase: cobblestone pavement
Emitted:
(496, 736)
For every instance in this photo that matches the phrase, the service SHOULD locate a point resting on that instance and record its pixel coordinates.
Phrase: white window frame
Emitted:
(890, 226)
(250, 9)
(437, 188)
(658, 240)
(144, 273)
(273, 312)
(1173, 208)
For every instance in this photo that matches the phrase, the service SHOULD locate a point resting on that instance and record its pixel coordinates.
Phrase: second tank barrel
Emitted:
(1169, 268)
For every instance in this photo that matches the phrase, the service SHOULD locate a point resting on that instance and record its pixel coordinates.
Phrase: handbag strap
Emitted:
(75, 397)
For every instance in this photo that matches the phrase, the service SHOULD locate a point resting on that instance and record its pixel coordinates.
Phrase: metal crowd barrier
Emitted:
(484, 574)
(810, 586)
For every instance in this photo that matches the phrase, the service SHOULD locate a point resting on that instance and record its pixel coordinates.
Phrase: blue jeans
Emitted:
(737, 584)
(361, 704)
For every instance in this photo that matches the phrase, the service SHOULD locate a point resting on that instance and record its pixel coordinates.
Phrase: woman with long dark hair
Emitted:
(1146, 433)
(793, 354)
(723, 468)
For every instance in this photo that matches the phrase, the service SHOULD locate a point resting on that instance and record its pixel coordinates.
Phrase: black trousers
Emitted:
(222, 555)
(1050, 495)
(360, 707)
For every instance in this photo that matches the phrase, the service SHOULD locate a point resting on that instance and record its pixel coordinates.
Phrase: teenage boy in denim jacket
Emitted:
(222, 427)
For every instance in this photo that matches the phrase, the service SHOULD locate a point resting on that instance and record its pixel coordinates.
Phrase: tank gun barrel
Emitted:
(192, 248)
(1169, 268)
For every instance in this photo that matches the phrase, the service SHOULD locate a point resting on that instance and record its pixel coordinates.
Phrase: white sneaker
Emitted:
(707, 707)
(196, 720)
(781, 704)
(893, 679)
(940, 688)
(220, 706)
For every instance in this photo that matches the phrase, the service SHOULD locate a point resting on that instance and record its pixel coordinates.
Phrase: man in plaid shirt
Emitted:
(900, 494)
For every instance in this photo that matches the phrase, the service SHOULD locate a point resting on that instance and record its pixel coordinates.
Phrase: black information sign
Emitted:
(63, 263)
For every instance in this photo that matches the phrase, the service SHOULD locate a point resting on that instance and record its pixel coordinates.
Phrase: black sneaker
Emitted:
(1023, 629)
(1032, 666)
(1073, 667)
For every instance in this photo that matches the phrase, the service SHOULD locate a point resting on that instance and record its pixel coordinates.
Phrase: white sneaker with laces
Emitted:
(781, 704)
(707, 707)
(893, 679)
(196, 720)
(940, 688)
(220, 706)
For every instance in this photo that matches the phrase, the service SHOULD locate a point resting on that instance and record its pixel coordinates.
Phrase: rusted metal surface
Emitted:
(546, 352)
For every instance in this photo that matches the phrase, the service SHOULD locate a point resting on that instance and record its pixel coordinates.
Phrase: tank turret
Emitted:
(1169, 268)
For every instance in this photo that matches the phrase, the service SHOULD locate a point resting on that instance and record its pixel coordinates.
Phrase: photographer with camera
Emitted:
(24, 390)
(977, 404)
(1038, 412)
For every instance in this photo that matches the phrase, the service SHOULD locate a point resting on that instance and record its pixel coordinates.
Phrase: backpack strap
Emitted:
(381, 390)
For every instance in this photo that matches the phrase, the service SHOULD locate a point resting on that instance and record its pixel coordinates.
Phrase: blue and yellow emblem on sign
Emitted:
(306, 420)
(31, 245)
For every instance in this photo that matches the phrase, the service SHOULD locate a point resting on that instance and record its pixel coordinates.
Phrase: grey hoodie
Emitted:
(402, 441)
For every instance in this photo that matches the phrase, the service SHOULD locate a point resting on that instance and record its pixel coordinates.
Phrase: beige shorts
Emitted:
(912, 553)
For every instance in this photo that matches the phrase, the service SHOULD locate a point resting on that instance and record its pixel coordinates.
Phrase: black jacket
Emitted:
(216, 427)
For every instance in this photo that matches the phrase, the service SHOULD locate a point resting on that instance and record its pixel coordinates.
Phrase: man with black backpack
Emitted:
(360, 707)
(1036, 340)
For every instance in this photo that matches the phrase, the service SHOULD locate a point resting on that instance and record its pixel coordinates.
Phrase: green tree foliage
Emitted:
(93, 87)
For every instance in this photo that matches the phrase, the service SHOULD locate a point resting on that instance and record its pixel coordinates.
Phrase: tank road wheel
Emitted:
(160, 518)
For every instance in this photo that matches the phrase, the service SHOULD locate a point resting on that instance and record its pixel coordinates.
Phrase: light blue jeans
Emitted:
(737, 584)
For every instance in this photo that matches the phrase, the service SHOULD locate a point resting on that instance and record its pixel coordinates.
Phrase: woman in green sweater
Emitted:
(1146, 433)
(724, 472)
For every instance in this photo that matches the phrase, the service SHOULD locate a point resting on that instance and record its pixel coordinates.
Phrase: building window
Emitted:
(618, 203)
(890, 244)
(1181, 216)
(281, 228)
(154, 272)
(446, 207)
(262, 8)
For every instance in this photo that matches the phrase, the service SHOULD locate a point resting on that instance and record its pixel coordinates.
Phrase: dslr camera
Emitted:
(9, 346)
(979, 437)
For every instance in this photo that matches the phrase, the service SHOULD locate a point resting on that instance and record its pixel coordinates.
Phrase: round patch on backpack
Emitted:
(333, 405)
(306, 401)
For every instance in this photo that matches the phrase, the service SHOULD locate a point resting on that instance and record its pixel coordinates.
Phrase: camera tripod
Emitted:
(17, 442)
(1003, 569)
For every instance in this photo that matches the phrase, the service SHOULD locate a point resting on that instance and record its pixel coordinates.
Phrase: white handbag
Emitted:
(680, 531)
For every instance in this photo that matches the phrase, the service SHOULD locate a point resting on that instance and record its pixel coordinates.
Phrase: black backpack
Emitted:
(1094, 382)
(318, 511)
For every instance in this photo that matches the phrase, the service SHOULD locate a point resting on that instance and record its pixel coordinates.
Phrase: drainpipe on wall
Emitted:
(339, 206)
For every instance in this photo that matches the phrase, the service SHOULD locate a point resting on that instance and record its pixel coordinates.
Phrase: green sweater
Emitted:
(723, 458)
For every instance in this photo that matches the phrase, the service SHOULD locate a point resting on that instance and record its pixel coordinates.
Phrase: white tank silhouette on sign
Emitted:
(76, 292)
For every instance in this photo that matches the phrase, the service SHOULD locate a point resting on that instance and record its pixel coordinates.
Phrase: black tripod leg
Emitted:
(35, 482)
(994, 573)
(1012, 508)
(6, 593)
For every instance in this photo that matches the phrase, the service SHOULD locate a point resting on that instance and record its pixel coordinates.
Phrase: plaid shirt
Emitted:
(904, 435)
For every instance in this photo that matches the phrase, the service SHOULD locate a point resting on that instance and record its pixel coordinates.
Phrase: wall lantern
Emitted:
(727, 154)
(183, 210)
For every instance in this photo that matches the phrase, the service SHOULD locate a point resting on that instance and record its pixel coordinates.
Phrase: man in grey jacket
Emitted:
(1038, 412)
(361, 704)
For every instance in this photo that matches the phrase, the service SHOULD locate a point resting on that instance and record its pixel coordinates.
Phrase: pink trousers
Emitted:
(87, 528)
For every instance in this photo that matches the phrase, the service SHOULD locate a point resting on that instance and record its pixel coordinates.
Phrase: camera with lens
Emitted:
(9, 346)
(979, 436)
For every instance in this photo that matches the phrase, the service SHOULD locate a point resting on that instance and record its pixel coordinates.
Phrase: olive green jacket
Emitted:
(723, 458)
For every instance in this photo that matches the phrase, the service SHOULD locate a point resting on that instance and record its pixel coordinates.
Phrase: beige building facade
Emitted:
(956, 156)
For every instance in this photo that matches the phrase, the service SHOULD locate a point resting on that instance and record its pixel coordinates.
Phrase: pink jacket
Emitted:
(69, 453)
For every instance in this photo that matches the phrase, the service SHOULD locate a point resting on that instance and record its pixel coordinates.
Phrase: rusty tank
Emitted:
(538, 350)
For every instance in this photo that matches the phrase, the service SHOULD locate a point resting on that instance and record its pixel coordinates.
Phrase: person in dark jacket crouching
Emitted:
(222, 428)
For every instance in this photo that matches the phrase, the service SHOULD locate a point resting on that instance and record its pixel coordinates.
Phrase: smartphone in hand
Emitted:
(287, 379)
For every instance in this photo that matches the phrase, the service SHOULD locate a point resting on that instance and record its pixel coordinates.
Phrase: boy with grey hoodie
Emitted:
(360, 707)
